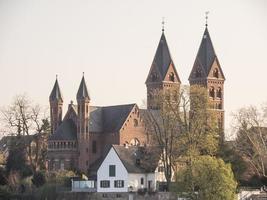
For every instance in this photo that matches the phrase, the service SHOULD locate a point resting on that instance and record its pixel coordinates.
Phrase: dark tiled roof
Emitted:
(66, 131)
(82, 91)
(206, 53)
(148, 158)
(115, 116)
(56, 93)
(162, 59)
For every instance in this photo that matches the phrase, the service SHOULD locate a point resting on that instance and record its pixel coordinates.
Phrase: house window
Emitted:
(104, 184)
(94, 146)
(119, 183)
(112, 170)
(142, 181)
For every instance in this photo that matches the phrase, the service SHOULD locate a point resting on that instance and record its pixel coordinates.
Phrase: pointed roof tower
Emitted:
(56, 93)
(162, 59)
(206, 55)
(82, 93)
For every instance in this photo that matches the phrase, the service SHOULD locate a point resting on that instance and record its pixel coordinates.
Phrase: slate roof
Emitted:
(206, 53)
(115, 116)
(148, 158)
(67, 130)
(56, 93)
(82, 91)
(107, 119)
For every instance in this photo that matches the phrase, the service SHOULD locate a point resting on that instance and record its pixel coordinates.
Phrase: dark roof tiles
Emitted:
(82, 91)
(56, 93)
(138, 159)
(66, 131)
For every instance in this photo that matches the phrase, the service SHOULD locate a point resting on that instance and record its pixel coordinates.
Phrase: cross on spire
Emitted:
(163, 23)
(206, 17)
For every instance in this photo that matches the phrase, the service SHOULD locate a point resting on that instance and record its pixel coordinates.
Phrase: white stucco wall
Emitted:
(120, 174)
(134, 180)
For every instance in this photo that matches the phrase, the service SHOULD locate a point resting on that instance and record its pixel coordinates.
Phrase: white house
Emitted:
(127, 169)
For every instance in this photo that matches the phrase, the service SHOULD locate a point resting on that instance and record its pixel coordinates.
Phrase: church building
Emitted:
(80, 138)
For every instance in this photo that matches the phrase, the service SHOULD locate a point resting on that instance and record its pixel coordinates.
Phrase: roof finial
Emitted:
(83, 73)
(56, 76)
(163, 23)
(206, 13)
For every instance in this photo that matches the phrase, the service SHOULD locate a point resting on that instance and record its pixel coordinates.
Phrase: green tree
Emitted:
(212, 178)
(181, 132)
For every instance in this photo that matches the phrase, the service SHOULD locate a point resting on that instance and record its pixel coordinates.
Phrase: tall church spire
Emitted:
(82, 93)
(55, 94)
(207, 72)
(162, 74)
(56, 105)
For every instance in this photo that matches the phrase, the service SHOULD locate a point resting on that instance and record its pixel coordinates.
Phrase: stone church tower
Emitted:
(162, 75)
(207, 72)
(56, 104)
(83, 103)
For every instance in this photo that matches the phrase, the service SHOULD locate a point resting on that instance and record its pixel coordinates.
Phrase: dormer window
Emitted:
(216, 73)
(171, 77)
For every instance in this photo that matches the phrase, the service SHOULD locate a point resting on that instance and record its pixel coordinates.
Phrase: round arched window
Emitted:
(216, 73)
(134, 142)
(171, 77)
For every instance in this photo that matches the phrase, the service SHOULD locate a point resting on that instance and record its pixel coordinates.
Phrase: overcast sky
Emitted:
(114, 42)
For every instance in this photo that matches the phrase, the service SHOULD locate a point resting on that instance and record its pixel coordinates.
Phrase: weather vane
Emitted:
(207, 13)
(163, 23)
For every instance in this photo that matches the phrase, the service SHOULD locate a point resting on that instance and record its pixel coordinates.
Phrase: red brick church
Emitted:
(82, 136)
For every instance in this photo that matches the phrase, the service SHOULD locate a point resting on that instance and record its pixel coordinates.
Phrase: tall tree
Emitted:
(26, 120)
(180, 134)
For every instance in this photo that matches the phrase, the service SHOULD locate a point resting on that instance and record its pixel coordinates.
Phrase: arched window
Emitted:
(135, 122)
(212, 92)
(219, 93)
(135, 142)
(171, 77)
(216, 73)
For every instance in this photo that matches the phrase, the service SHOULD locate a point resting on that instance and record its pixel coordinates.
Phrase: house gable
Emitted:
(121, 173)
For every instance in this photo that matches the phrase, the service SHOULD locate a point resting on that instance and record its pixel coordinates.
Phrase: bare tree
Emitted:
(251, 140)
(23, 118)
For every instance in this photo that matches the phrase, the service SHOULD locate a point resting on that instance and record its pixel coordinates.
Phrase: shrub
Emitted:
(38, 179)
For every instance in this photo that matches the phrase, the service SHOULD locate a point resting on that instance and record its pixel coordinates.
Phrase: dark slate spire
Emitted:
(56, 93)
(206, 53)
(82, 93)
(162, 59)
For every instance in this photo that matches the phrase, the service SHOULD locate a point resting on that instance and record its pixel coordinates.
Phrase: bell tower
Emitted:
(56, 104)
(207, 72)
(162, 75)
(83, 101)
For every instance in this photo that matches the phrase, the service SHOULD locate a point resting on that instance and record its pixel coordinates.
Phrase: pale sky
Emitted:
(114, 42)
